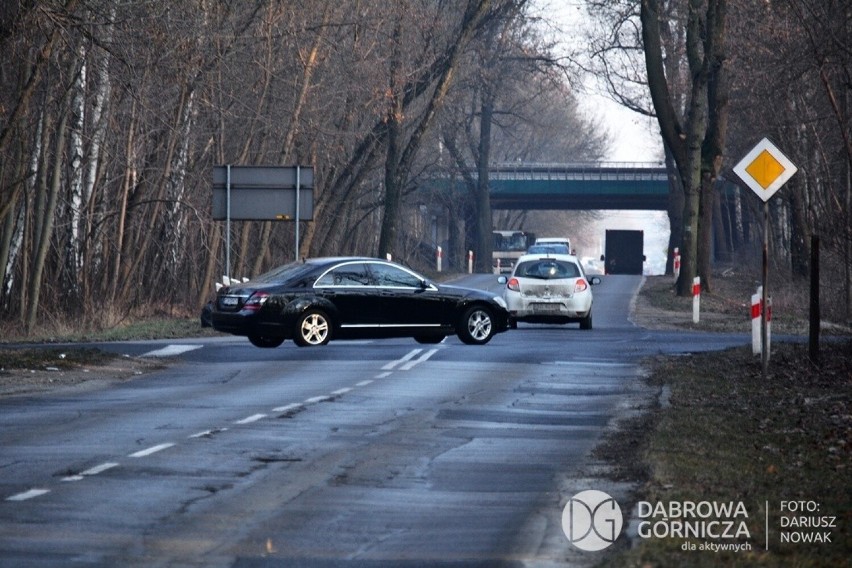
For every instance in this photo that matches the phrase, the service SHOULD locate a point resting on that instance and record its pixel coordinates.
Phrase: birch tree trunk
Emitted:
(74, 204)
(94, 247)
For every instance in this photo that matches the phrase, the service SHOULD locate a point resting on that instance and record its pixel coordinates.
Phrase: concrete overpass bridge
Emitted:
(588, 185)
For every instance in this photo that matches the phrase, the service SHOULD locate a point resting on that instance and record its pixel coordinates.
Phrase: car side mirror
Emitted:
(603, 258)
(595, 280)
(502, 280)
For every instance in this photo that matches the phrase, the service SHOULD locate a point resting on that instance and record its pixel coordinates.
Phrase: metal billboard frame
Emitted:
(261, 193)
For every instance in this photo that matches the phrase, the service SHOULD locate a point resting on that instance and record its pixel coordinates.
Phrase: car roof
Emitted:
(551, 240)
(335, 259)
(547, 256)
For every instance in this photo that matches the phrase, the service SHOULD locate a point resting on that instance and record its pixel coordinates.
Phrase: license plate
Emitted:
(230, 301)
(545, 308)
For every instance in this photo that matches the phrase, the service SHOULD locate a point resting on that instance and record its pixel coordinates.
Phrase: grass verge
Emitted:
(140, 329)
(727, 434)
(55, 359)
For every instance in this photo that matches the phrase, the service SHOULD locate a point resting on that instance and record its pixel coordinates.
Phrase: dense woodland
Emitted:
(113, 114)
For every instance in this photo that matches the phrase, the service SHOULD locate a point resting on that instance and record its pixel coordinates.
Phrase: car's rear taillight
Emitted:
(581, 285)
(255, 301)
(514, 285)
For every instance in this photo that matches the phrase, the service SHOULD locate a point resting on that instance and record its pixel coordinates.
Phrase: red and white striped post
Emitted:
(757, 309)
(676, 263)
(440, 257)
(755, 321)
(696, 298)
(470, 262)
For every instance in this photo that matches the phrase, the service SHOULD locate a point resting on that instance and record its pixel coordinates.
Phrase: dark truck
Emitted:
(623, 253)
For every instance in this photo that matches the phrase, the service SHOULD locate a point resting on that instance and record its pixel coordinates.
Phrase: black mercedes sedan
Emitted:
(320, 299)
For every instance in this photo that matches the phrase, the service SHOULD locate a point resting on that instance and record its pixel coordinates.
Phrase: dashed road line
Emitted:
(28, 495)
(151, 450)
(99, 468)
(91, 471)
(316, 399)
(206, 433)
(250, 419)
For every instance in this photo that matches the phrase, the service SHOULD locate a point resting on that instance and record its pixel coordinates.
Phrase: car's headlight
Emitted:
(501, 302)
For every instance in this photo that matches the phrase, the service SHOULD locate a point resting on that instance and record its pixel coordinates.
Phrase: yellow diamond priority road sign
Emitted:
(765, 169)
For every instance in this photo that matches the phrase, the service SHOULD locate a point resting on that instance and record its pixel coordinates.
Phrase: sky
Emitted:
(635, 138)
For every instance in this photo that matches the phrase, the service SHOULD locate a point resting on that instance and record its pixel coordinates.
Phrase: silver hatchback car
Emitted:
(550, 288)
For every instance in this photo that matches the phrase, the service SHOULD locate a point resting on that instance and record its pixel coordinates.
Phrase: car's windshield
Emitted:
(547, 268)
(554, 248)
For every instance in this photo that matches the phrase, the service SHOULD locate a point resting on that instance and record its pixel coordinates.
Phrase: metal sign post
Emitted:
(764, 328)
(764, 170)
(298, 184)
(228, 224)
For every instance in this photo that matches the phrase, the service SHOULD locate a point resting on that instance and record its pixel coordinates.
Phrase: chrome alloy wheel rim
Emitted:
(479, 325)
(314, 329)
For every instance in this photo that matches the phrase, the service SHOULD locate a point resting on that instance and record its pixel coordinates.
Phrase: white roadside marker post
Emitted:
(696, 298)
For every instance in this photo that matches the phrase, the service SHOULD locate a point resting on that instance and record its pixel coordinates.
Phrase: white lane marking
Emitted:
(287, 407)
(99, 468)
(27, 494)
(172, 350)
(383, 375)
(407, 357)
(91, 471)
(250, 419)
(151, 450)
(364, 383)
(208, 433)
(422, 358)
(316, 399)
(341, 391)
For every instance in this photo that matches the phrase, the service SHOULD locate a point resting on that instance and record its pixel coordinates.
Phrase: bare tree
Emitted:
(697, 142)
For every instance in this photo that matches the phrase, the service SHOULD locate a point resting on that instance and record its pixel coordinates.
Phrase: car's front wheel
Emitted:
(476, 326)
(312, 328)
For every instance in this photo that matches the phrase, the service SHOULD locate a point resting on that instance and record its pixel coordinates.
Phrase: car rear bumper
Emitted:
(551, 318)
(240, 324)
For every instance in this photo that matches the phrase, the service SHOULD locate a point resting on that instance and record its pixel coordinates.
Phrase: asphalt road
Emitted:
(368, 453)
